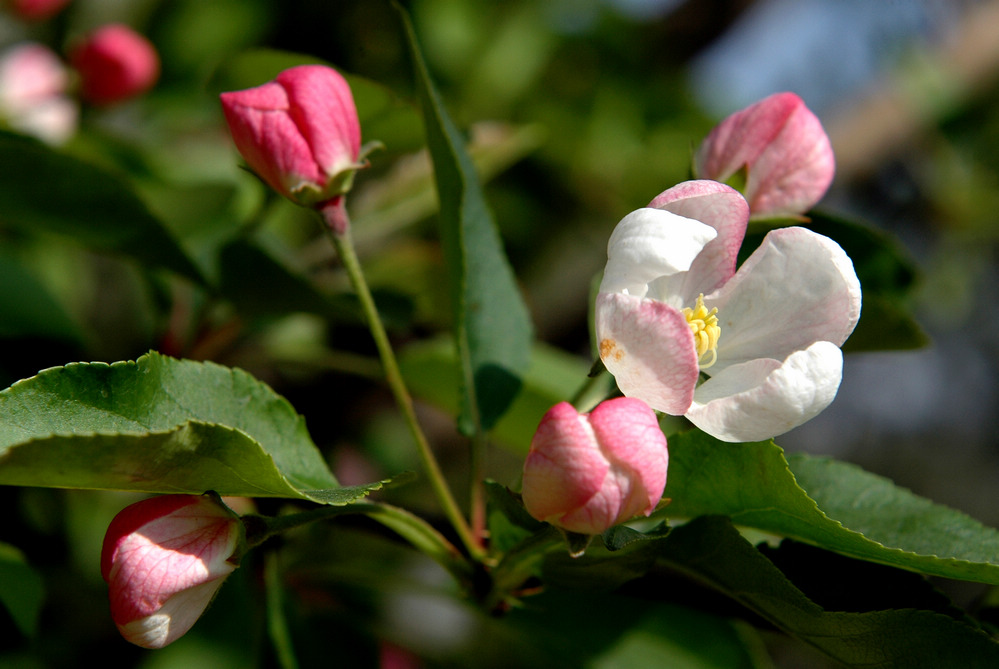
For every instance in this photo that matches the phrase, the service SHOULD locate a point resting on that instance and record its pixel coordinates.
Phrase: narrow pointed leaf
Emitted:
(492, 326)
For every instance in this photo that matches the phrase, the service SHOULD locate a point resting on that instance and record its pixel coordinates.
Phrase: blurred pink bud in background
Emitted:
(37, 10)
(164, 558)
(786, 154)
(33, 83)
(300, 134)
(115, 63)
(588, 472)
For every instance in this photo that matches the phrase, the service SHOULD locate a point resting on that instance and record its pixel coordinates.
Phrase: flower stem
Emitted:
(420, 534)
(277, 623)
(345, 249)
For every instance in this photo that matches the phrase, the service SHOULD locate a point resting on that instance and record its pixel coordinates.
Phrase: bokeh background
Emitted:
(578, 111)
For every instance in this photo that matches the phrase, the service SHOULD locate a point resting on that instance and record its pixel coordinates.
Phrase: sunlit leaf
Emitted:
(830, 504)
(160, 425)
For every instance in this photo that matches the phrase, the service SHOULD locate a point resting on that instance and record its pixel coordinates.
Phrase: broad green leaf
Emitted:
(431, 372)
(492, 327)
(712, 551)
(27, 309)
(42, 189)
(160, 425)
(21, 590)
(562, 628)
(826, 503)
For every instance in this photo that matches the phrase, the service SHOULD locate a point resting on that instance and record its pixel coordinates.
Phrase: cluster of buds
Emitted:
(108, 66)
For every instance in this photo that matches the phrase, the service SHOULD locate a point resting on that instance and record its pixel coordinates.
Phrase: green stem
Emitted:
(420, 534)
(277, 623)
(345, 249)
(520, 562)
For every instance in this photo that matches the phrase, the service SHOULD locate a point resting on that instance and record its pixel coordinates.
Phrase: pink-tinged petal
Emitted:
(586, 473)
(782, 146)
(164, 555)
(629, 433)
(794, 171)
(720, 207)
(30, 74)
(173, 620)
(565, 467)
(763, 398)
(648, 244)
(649, 348)
(269, 140)
(798, 287)
(742, 136)
(322, 107)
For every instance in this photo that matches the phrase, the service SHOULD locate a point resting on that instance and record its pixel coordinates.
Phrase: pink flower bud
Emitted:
(115, 63)
(786, 154)
(33, 83)
(37, 10)
(164, 558)
(588, 472)
(299, 133)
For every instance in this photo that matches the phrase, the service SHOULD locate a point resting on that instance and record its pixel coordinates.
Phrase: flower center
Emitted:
(704, 325)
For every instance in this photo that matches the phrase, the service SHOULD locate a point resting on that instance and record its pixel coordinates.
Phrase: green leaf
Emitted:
(27, 309)
(711, 550)
(826, 503)
(41, 189)
(492, 327)
(21, 590)
(160, 425)
(431, 372)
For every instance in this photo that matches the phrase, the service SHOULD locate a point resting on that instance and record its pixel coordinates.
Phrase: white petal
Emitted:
(648, 347)
(762, 398)
(177, 615)
(648, 244)
(798, 287)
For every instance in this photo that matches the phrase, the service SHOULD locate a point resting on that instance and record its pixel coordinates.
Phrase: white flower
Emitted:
(745, 355)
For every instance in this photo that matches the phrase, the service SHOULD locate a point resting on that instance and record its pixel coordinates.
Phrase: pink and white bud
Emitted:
(300, 134)
(586, 473)
(164, 558)
(115, 63)
(33, 83)
(782, 147)
(37, 10)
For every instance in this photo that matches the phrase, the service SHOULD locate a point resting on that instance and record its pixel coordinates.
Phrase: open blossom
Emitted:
(33, 84)
(301, 135)
(588, 472)
(672, 309)
(163, 559)
(115, 63)
(783, 149)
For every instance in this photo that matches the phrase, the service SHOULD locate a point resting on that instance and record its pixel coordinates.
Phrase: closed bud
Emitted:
(586, 473)
(780, 148)
(164, 558)
(115, 63)
(300, 134)
(37, 10)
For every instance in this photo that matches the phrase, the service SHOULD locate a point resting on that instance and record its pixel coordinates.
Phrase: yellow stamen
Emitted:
(704, 325)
